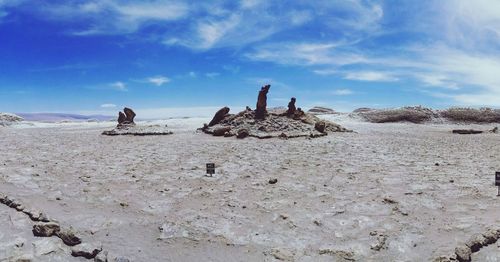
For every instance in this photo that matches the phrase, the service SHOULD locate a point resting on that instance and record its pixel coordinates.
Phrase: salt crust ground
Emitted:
(328, 204)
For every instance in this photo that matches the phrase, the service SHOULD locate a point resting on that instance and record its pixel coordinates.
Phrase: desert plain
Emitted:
(385, 192)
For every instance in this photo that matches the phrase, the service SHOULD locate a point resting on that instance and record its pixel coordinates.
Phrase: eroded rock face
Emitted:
(219, 116)
(261, 108)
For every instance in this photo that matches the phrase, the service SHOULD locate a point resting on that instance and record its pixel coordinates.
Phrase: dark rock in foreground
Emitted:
(466, 131)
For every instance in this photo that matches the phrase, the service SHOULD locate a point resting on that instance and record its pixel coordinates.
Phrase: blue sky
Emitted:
(156, 56)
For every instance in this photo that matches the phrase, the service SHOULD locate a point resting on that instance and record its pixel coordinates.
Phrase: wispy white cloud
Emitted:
(305, 54)
(342, 92)
(212, 74)
(113, 16)
(371, 76)
(120, 86)
(108, 105)
(158, 80)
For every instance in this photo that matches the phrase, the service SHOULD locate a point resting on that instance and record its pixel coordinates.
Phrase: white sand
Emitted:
(328, 199)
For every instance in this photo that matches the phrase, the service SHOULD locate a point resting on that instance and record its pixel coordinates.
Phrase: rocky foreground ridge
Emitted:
(261, 123)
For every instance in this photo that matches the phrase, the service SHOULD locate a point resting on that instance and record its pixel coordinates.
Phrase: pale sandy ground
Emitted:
(329, 198)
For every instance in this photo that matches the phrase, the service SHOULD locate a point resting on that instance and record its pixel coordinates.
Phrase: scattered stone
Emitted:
(320, 126)
(219, 116)
(273, 181)
(346, 255)
(466, 131)
(380, 244)
(242, 133)
(46, 229)
(86, 250)
(101, 257)
(282, 254)
(389, 201)
(221, 131)
(69, 238)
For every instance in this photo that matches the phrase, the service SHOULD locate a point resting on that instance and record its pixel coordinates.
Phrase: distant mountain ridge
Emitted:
(57, 117)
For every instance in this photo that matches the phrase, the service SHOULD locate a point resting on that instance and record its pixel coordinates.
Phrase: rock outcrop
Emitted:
(277, 122)
(261, 108)
(126, 119)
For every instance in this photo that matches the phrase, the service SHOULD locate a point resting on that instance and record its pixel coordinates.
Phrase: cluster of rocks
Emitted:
(464, 251)
(46, 227)
(127, 127)
(264, 123)
(9, 119)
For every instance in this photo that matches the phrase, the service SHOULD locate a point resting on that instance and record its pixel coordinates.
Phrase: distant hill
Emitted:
(319, 110)
(58, 117)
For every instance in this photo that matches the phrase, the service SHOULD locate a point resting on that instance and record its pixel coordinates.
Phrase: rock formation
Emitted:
(261, 110)
(219, 116)
(126, 119)
(277, 122)
(291, 107)
(127, 126)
